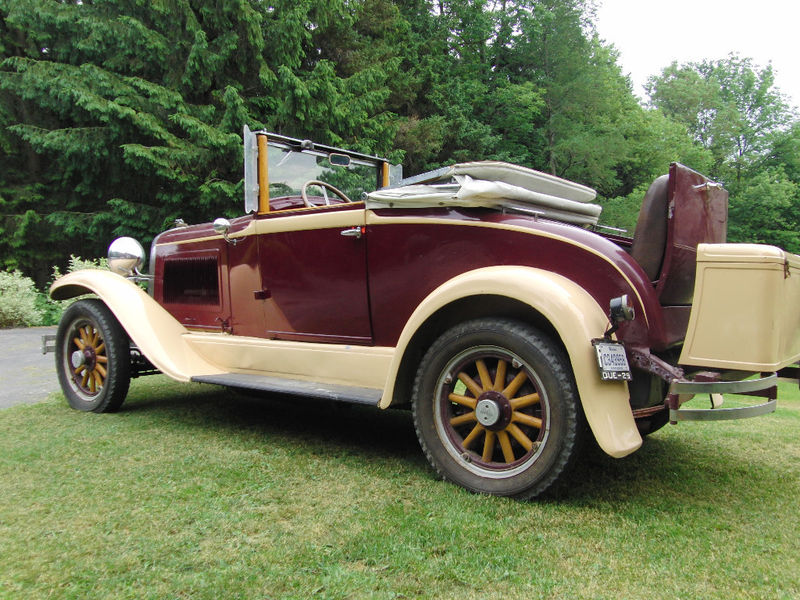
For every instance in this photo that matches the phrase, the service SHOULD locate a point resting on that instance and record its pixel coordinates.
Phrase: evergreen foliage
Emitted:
(117, 116)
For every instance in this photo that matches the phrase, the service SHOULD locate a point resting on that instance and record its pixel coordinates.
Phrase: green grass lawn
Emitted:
(195, 492)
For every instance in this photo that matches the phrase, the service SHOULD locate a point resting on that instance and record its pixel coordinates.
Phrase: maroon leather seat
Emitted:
(679, 211)
(650, 236)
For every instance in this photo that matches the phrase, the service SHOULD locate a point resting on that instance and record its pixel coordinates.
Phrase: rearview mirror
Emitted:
(339, 160)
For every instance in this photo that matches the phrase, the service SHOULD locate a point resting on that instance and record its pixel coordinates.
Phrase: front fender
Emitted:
(575, 316)
(154, 331)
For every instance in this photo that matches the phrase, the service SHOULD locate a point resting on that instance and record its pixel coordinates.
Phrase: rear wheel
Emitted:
(496, 409)
(92, 357)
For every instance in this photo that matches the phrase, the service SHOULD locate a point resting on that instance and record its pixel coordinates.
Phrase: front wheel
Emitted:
(92, 357)
(496, 409)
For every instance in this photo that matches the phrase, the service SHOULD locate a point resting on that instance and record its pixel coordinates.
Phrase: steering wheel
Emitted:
(325, 187)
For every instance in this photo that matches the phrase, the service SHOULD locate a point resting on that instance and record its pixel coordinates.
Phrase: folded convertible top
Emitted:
(493, 184)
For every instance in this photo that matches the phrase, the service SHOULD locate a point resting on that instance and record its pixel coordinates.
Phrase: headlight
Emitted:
(125, 256)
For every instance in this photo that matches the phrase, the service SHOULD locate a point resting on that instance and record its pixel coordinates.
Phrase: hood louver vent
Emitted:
(192, 280)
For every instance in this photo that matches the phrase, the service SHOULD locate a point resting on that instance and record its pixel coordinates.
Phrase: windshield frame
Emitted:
(257, 169)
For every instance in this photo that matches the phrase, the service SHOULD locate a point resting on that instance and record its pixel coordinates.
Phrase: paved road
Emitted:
(26, 375)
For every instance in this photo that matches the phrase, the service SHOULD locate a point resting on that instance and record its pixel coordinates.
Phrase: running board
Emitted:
(310, 389)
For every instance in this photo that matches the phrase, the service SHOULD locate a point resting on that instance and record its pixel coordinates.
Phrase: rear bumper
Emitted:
(765, 386)
(682, 388)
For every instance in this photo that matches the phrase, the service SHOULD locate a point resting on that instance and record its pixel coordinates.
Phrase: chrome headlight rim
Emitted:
(125, 256)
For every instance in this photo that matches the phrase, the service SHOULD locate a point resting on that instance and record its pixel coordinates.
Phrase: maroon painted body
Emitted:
(318, 285)
(429, 255)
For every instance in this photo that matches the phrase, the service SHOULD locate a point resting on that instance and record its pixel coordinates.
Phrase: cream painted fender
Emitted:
(156, 332)
(576, 317)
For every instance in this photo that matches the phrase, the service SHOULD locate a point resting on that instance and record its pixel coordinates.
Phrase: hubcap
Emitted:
(488, 413)
(493, 410)
(77, 359)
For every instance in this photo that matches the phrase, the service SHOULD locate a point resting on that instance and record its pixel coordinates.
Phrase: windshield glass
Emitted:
(289, 170)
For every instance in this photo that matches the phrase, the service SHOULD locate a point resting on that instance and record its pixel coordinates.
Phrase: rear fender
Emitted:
(576, 317)
(154, 331)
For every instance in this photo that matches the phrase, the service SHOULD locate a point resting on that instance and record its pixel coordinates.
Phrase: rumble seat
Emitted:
(679, 211)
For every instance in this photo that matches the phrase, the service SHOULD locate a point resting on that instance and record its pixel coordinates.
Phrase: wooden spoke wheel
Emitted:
(92, 357)
(495, 408)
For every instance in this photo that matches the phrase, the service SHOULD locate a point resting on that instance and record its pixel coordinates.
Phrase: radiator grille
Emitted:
(192, 280)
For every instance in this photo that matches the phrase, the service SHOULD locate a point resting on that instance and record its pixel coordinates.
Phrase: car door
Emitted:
(314, 274)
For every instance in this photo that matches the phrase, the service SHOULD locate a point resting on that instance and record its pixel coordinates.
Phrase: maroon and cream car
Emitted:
(482, 295)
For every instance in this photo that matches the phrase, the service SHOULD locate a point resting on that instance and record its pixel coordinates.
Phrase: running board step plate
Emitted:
(310, 389)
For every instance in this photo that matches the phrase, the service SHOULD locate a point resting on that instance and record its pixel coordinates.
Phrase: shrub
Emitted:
(18, 301)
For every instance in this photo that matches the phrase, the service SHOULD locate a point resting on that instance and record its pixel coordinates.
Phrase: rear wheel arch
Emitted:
(556, 306)
(460, 311)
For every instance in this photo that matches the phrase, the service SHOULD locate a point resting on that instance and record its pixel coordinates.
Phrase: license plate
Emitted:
(612, 361)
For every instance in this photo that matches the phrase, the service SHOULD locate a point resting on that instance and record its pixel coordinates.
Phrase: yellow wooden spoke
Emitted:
(84, 335)
(470, 383)
(78, 343)
(505, 445)
(98, 380)
(85, 378)
(95, 336)
(463, 400)
(518, 417)
(500, 376)
(523, 439)
(100, 348)
(483, 372)
(515, 384)
(524, 401)
(101, 359)
(473, 435)
(465, 418)
(101, 370)
(488, 446)
(91, 382)
(79, 369)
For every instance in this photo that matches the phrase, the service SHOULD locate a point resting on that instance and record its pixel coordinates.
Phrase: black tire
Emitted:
(92, 357)
(652, 424)
(487, 439)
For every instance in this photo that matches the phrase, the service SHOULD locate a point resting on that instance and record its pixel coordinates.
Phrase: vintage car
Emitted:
(483, 295)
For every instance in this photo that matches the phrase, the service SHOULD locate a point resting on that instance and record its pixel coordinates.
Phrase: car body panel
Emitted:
(315, 279)
(183, 354)
(159, 336)
(432, 247)
(325, 363)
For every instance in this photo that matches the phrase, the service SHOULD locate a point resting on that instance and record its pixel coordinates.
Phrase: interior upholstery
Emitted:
(650, 236)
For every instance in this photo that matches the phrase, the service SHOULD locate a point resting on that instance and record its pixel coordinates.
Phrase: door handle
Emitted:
(354, 232)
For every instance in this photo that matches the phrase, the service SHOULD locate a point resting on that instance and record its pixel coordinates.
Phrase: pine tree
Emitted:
(123, 115)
